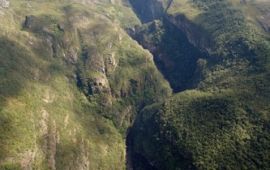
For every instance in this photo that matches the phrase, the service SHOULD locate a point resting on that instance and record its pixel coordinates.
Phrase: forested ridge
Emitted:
(220, 117)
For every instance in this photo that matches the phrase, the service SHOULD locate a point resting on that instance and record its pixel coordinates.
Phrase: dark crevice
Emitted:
(169, 4)
(175, 57)
(147, 10)
(134, 160)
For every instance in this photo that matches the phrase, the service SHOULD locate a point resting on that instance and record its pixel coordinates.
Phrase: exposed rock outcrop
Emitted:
(264, 19)
(4, 4)
(265, 25)
(196, 36)
(148, 10)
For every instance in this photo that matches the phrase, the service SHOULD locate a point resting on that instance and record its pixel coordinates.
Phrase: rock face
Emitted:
(4, 4)
(196, 36)
(172, 52)
(29, 21)
(148, 10)
(264, 19)
(262, 15)
(264, 24)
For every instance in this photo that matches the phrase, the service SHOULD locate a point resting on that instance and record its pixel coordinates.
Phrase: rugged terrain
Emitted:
(72, 82)
(220, 118)
(184, 84)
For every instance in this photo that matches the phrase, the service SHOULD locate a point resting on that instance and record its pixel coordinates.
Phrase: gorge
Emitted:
(134, 84)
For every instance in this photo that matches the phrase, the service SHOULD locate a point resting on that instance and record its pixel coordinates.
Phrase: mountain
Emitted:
(72, 82)
(219, 116)
(138, 84)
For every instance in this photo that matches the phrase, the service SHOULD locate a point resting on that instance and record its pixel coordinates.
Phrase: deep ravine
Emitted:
(135, 160)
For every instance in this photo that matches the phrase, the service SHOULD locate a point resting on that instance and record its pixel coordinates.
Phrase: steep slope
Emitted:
(173, 54)
(72, 81)
(222, 121)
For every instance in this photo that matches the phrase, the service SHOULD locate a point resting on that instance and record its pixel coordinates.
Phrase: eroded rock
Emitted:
(4, 4)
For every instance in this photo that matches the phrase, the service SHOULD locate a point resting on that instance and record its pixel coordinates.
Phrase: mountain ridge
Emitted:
(76, 89)
(225, 84)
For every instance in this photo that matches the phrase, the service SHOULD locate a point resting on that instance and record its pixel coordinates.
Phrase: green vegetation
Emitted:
(71, 83)
(10, 166)
(223, 122)
(175, 57)
(205, 130)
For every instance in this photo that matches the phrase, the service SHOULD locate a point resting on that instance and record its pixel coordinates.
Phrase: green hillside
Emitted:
(220, 118)
(138, 84)
(72, 81)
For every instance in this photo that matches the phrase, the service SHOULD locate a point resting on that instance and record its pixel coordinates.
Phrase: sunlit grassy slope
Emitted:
(71, 83)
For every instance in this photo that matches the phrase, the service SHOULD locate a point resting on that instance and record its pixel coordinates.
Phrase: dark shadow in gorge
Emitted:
(135, 160)
(147, 10)
(175, 57)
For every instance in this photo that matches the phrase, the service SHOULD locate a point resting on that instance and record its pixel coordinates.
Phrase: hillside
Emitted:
(72, 81)
(220, 118)
(138, 84)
